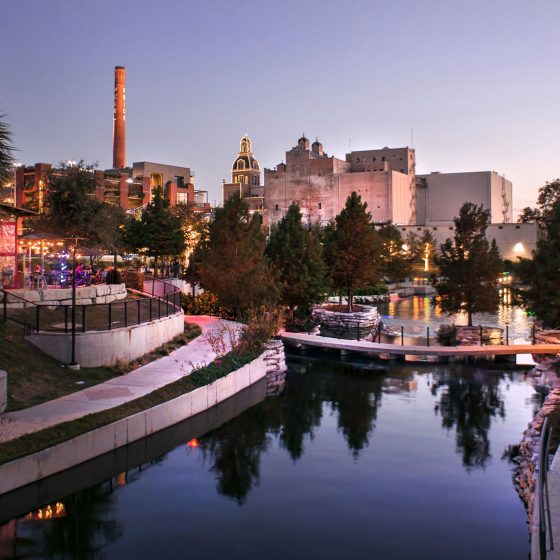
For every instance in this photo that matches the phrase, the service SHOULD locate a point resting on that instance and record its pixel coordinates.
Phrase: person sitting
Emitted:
(80, 275)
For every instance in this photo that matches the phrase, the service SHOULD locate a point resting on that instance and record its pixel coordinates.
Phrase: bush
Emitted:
(372, 290)
(263, 323)
(205, 303)
(113, 277)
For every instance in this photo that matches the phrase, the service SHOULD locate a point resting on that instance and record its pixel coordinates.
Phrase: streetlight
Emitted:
(73, 364)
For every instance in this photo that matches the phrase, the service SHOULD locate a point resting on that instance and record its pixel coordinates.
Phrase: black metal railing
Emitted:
(157, 299)
(362, 331)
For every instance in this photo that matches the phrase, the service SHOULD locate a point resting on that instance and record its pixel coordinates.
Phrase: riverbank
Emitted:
(36, 454)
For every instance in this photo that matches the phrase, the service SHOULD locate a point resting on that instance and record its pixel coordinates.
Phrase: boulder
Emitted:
(102, 290)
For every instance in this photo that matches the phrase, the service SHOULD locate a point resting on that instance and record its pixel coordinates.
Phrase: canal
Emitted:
(353, 459)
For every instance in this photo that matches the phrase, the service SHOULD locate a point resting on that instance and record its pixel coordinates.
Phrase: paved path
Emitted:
(395, 349)
(554, 499)
(118, 390)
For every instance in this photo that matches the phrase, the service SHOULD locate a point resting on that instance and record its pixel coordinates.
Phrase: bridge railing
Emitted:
(402, 338)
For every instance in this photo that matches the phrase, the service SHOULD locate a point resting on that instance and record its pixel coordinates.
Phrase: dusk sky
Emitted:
(477, 81)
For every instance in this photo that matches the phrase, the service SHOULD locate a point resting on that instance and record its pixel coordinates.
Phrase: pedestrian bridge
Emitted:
(310, 340)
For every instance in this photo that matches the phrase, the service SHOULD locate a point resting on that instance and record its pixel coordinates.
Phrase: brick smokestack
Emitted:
(119, 119)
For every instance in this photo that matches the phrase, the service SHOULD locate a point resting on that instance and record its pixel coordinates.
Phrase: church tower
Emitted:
(245, 171)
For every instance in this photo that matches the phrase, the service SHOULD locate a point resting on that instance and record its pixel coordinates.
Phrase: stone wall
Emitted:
(275, 360)
(99, 293)
(355, 325)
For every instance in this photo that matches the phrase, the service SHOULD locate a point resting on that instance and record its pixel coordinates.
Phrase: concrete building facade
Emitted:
(513, 240)
(321, 184)
(129, 188)
(439, 196)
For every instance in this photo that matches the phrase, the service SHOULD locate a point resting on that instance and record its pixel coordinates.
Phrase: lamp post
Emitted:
(73, 364)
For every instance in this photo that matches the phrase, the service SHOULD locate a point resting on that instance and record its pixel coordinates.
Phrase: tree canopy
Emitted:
(296, 255)
(70, 209)
(541, 273)
(351, 248)
(469, 266)
(158, 231)
(231, 261)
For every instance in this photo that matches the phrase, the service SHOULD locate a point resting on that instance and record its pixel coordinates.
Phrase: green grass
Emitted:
(35, 377)
(37, 441)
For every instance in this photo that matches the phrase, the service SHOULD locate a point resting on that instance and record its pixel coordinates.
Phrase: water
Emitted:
(418, 312)
(350, 461)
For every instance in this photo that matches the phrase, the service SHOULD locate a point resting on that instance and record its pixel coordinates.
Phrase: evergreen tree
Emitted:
(540, 274)
(158, 232)
(231, 261)
(295, 252)
(469, 266)
(351, 248)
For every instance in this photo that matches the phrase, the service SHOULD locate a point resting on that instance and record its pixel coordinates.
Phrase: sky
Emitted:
(471, 85)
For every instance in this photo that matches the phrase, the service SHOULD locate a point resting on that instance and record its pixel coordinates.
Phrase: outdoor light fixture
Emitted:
(193, 443)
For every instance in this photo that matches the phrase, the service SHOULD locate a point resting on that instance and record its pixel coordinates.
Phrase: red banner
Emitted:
(8, 255)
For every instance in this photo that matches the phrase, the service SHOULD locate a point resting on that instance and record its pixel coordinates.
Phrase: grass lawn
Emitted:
(34, 377)
(48, 437)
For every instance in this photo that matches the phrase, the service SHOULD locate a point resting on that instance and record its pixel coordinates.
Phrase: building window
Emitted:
(320, 206)
(450, 229)
(180, 181)
(182, 198)
(247, 179)
(156, 180)
(500, 227)
(276, 207)
(374, 159)
(383, 158)
(402, 170)
(434, 228)
(240, 164)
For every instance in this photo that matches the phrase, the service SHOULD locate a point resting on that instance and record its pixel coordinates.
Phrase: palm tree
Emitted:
(6, 150)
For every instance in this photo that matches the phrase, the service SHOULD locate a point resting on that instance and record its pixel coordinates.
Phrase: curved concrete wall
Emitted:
(37, 466)
(106, 348)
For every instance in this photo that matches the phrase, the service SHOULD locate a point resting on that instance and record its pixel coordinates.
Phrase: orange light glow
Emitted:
(193, 443)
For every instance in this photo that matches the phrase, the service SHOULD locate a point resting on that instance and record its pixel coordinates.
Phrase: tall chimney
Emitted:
(119, 119)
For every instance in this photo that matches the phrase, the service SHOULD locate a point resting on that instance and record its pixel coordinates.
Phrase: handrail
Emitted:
(162, 302)
(545, 524)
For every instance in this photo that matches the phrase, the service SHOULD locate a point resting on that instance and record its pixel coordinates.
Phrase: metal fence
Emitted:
(360, 332)
(156, 300)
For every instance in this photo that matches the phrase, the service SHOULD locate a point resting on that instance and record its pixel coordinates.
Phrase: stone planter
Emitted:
(357, 325)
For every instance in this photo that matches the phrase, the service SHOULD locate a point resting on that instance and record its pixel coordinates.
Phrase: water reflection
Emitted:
(468, 399)
(339, 445)
(418, 312)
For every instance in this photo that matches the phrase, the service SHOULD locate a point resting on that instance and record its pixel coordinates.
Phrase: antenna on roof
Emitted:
(349, 144)
(412, 138)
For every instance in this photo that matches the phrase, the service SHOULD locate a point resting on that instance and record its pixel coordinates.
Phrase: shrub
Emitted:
(205, 303)
(446, 335)
(263, 323)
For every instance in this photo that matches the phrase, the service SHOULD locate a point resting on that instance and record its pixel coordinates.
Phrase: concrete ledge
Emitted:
(80, 449)
(106, 348)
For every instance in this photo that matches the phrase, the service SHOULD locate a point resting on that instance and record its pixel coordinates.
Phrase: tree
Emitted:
(351, 247)
(158, 232)
(6, 150)
(393, 260)
(529, 216)
(295, 252)
(540, 274)
(231, 262)
(71, 209)
(469, 266)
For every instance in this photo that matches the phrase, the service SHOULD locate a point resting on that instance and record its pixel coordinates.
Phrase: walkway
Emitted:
(397, 350)
(118, 390)
(554, 498)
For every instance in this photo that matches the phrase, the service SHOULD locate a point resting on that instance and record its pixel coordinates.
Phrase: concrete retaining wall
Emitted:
(106, 348)
(123, 432)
